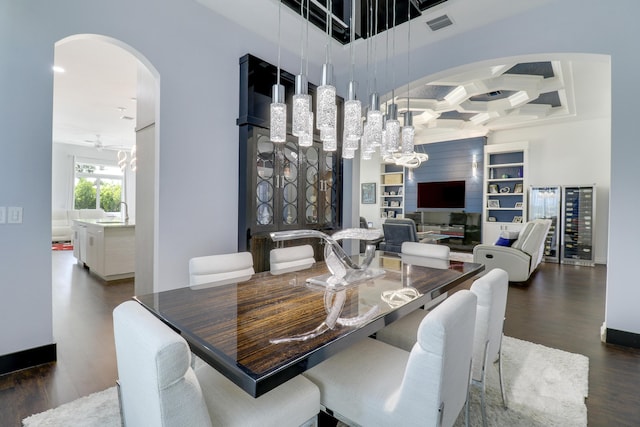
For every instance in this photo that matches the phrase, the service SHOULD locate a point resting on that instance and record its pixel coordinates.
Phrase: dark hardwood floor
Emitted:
(83, 332)
(561, 307)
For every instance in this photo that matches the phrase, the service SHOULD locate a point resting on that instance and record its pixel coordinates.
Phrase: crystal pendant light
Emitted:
(383, 147)
(326, 100)
(329, 136)
(301, 107)
(374, 115)
(122, 160)
(278, 121)
(301, 98)
(352, 122)
(326, 109)
(374, 119)
(352, 115)
(365, 146)
(352, 107)
(392, 125)
(408, 132)
(306, 138)
(133, 164)
(348, 153)
(393, 129)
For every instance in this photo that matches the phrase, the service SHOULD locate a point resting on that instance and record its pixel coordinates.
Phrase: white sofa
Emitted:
(62, 222)
(520, 259)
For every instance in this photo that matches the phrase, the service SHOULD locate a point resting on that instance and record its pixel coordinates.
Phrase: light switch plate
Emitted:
(3, 214)
(15, 215)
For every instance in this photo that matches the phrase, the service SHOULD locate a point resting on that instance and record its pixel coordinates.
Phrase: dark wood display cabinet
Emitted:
(282, 186)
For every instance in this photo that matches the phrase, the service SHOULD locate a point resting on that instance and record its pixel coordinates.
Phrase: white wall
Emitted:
(196, 55)
(370, 172)
(147, 179)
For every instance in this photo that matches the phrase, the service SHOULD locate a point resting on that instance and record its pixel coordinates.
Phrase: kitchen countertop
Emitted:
(106, 222)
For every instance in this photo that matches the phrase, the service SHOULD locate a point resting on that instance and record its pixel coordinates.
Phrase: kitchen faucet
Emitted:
(126, 211)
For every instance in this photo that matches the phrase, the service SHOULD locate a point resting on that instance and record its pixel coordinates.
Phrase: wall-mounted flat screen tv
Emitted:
(442, 194)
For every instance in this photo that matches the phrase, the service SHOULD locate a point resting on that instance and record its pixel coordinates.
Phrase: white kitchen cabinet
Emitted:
(107, 249)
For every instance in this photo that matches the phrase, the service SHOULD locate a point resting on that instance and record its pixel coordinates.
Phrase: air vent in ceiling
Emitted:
(439, 23)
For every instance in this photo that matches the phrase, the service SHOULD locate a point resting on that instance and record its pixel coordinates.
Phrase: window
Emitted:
(97, 186)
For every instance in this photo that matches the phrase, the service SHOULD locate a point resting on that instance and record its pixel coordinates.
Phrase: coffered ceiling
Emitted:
(489, 97)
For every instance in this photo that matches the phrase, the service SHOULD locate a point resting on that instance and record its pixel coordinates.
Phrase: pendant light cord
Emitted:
(279, 26)
(375, 50)
(386, 26)
(408, 51)
(306, 35)
(330, 28)
(302, 37)
(352, 37)
(368, 48)
(393, 72)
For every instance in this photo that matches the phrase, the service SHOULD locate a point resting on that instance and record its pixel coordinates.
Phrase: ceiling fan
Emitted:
(99, 145)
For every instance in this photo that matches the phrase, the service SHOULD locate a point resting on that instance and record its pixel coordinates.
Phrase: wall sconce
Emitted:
(474, 166)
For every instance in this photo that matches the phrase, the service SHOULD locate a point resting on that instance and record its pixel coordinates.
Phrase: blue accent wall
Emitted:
(449, 161)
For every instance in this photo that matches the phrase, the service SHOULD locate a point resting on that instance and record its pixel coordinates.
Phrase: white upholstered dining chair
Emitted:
(491, 290)
(294, 258)
(158, 387)
(402, 333)
(429, 250)
(217, 270)
(374, 384)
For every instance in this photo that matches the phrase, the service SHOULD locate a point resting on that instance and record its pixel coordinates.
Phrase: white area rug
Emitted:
(99, 409)
(545, 387)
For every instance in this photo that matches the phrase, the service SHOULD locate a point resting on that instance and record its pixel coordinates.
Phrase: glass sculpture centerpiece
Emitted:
(343, 272)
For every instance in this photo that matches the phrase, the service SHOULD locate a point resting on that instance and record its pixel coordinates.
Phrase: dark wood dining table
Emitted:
(231, 327)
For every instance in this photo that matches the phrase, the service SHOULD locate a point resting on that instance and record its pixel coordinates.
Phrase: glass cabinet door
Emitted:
(265, 181)
(288, 182)
(544, 202)
(328, 189)
(312, 189)
(292, 187)
(578, 212)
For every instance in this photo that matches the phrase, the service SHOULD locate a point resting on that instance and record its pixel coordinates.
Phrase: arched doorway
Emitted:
(104, 114)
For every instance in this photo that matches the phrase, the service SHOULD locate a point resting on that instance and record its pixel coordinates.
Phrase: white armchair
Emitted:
(520, 259)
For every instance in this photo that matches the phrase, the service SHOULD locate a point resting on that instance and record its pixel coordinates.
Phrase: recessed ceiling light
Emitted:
(58, 69)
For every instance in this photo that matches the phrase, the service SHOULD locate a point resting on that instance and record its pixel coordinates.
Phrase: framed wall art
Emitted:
(368, 193)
